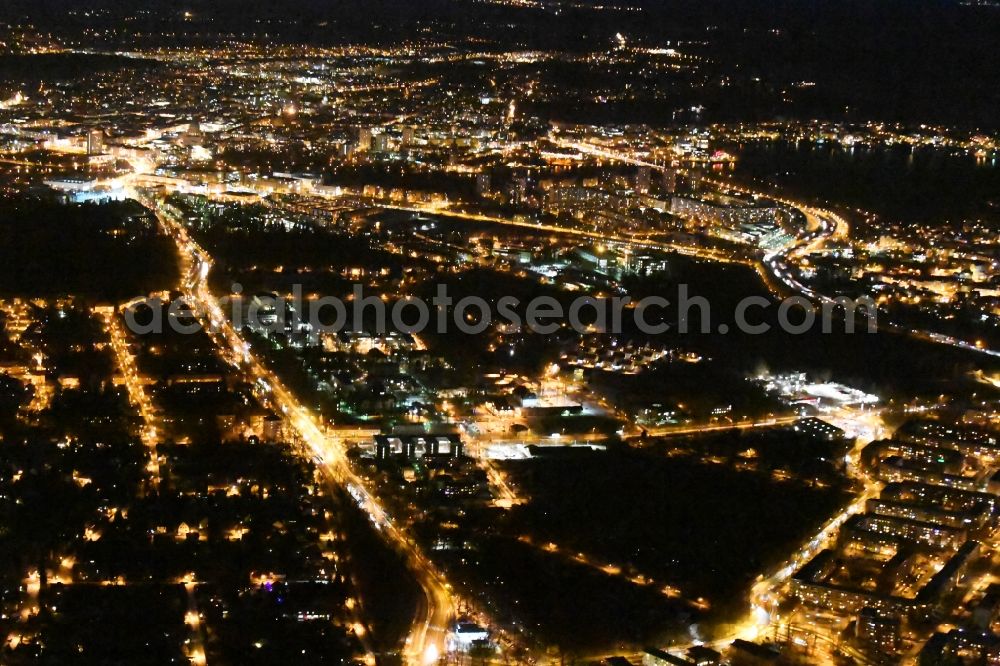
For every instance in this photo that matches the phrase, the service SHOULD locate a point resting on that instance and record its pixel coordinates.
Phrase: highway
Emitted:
(666, 431)
(426, 641)
(603, 237)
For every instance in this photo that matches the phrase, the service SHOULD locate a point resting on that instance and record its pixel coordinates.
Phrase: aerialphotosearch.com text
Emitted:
(442, 313)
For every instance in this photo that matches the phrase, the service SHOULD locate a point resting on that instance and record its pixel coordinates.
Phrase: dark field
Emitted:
(707, 529)
(704, 530)
(108, 252)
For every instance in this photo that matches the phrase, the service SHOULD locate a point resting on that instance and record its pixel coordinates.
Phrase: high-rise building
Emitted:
(95, 142)
(483, 184)
(669, 180)
(273, 430)
(364, 139)
(878, 630)
(380, 143)
(695, 180)
(193, 136)
(518, 190)
(409, 134)
(642, 179)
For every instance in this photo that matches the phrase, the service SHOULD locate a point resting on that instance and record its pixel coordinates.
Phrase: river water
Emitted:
(924, 184)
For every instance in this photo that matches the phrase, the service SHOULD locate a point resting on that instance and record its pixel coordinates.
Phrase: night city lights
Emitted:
(467, 332)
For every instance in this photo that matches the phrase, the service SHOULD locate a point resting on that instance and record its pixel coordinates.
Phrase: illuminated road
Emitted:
(634, 241)
(192, 618)
(766, 594)
(426, 641)
(136, 392)
(662, 431)
(505, 495)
